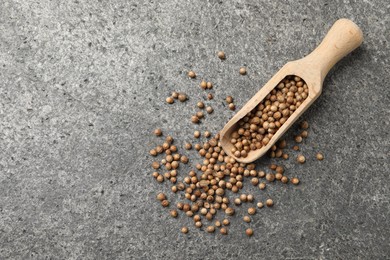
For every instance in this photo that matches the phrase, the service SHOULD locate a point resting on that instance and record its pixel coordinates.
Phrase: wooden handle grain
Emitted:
(342, 38)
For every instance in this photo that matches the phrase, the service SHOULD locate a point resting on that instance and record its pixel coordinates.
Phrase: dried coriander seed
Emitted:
(158, 132)
(188, 146)
(182, 97)
(155, 165)
(207, 134)
(210, 96)
(252, 211)
(209, 110)
(200, 104)
(184, 230)
(191, 74)
(203, 84)
(195, 119)
(161, 196)
(223, 231)
(294, 181)
(173, 213)
(304, 125)
(242, 71)
(232, 106)
(269, 202)
(262, 186)
(229, 99)
(165, 203)
(196, 134)
(246, 219)
(301, 158)
(249, 232)
(169, 100)
(319, 156)
(210, 229)
(260, 205)
(221, 55)
(225, 222)
(298, 139)
(175, 95)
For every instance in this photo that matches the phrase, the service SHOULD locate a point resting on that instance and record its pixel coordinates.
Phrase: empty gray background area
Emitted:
(83, 84)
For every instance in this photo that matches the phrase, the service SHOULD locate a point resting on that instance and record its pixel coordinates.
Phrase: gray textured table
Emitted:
(82, 86)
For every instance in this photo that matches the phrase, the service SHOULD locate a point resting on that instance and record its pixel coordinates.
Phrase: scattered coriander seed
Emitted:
(198, 224)
(203, 84)
(184, 230)
(319, 156)
(221, 55)
(223, 231)
(160, 178)
(218, 223)
(182, 97)
(284, 179)
(153, 152)
(296, 148)
(246, 219)
(175, 94)
(196, 134)
(260, 205)
(173, 213)
(155, 165)
(229, 211)
(304, 125)
(197, 146)
(155, 174)
(195, 119)
(249, 232)
(210, 229)
(301, 158)
(184, 159)
(250, 198)
(237, 201)
(158, 132)
(269, 202)
(295, 181)
(262, 186)
(252, 211)
(169, 100)
(225, 222)
(165, 203)
(243, 197)
(298, 139)
(207, 134)
(191, 74)
(200, 104)
(209, 85)
(285, 156)
(304, 134)
(254, 181)
(270, 177)
(199, 114)
(209, 110)
(232, 107)
(161, 196)
(188, 146)
(210, 96)
(242, 71)
(229, 99)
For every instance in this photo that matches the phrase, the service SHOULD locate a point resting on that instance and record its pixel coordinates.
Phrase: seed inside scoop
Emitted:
(258, 127)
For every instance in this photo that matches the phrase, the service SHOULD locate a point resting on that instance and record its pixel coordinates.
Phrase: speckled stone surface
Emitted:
(83, 84)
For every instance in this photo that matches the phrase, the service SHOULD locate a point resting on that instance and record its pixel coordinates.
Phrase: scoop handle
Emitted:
(342, 38)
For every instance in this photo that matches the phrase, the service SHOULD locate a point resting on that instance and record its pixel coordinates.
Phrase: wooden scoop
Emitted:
(342, 38)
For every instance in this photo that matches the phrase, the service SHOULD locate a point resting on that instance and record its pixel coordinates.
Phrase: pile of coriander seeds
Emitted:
(211, 192)
(258, 127)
